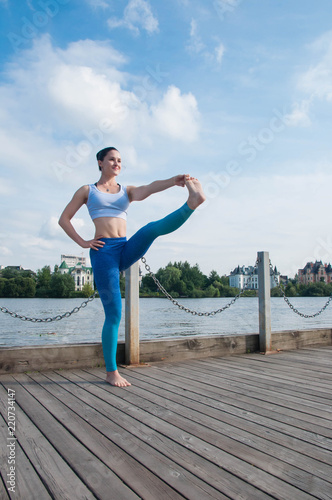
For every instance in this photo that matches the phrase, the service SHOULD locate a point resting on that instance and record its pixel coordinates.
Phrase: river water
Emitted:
(159, 318)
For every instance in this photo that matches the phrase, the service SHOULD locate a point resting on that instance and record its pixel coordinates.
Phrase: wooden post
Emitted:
(132, 316)
(264, 302)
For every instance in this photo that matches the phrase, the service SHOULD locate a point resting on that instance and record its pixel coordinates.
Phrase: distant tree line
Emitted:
(42, 284)
(296, 289)
(180, 279)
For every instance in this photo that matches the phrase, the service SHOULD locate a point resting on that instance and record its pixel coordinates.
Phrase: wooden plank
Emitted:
(191, 424)
(27, 481)
(293, 388)
(155, 382)
(297, 360)
(244, 403)
(4, 469)
(261, 377)
(292, 359)
(86, 473)
(288, 465)
(156, 416)
(61, 481)
(257, 366)
(212, 409)
(171, 472)
(256, 397)
(299, 339)
(21, 359)
(321, 356)
(212, 445)
(82, 420)
(3, 491)
(298, 383)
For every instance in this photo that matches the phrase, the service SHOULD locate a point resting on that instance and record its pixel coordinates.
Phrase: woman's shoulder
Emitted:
(83, 192)
(84, 189)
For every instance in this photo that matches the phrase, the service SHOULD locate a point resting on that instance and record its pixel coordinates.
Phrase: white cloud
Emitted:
(198, 47)
(177, 115)
(32, 241)
(137, 15)
(317, 80)
(270, 221)
(225, 7)
(219, 50)
(51, 229)
(5, 251)
(54, 106)
(195, 44)
(299, 116)
(7, 187)
(98, 3)
(86, 94)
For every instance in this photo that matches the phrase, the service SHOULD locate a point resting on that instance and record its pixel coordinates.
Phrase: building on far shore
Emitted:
(72, 260)
(78, 270)
(315, 273)
(247, 277)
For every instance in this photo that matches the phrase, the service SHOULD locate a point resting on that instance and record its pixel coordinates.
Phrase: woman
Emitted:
(110, 252)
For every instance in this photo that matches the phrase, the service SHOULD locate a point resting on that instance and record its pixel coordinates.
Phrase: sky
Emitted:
(237, 93)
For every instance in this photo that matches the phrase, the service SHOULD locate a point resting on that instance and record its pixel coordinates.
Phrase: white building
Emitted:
(82, 275)
(72, 260)
(247, 277)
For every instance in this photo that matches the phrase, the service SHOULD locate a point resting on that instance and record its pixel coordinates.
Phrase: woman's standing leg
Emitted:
(105, 264)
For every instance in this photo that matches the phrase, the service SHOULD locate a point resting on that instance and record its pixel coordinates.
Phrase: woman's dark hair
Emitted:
(103, 152)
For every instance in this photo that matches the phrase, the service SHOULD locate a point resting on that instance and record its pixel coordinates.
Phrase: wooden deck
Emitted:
(240, 427)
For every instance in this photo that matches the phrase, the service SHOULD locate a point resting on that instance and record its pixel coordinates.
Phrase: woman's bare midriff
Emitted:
(110, 227)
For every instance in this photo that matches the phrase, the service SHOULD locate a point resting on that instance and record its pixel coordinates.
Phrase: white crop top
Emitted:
(107, 204)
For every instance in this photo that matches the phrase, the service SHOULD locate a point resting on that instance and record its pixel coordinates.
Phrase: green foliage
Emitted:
(295, 289)
(291, 290)
(20, 283)
(9, 273)
(61, 285)
(122, 285)
(17, 287)
(276, 292)
(314, 290)
(87, 290)
(249, 293)
(44, 277)
(181, 279)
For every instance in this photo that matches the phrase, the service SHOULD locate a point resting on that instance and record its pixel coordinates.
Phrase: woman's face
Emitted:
(111, 164)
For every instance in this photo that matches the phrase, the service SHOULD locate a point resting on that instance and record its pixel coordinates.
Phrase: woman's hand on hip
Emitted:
(95, 244)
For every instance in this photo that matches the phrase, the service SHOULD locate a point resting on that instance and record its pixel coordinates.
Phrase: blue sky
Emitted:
(235, 92)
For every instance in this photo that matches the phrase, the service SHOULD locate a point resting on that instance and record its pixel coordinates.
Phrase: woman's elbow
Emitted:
(62, 221)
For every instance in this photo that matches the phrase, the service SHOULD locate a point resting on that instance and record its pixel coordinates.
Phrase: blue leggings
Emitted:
(117, 255)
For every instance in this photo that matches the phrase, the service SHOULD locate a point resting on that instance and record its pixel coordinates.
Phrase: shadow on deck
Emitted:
(241, 427)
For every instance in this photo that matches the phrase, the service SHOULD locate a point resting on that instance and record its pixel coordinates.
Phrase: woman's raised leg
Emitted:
(140, 242)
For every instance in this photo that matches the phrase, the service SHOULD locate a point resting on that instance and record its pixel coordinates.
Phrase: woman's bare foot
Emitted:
(196, 193)
(114, 378)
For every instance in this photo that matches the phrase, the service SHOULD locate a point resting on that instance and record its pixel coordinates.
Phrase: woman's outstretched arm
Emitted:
(141, 192)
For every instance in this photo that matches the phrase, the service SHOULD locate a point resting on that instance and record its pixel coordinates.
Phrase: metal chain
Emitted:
(174, 301)
(49, 320)
(186, 309)
(290, 305)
